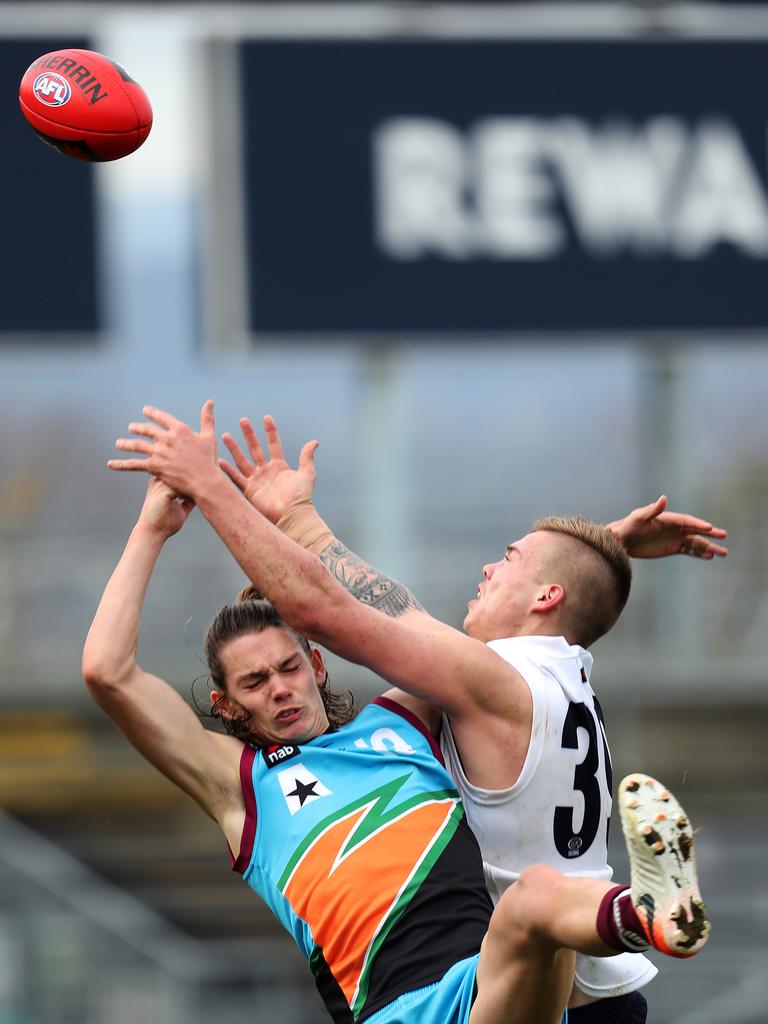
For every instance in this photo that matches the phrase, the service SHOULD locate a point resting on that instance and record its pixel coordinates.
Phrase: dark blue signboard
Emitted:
(48, 264)
(437, 187)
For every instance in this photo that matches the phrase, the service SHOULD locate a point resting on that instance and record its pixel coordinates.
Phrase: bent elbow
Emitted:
(99, 675)
(94, 677)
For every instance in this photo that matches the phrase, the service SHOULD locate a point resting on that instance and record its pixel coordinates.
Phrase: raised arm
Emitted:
(442, 665)
(284, 496)
(154, 718)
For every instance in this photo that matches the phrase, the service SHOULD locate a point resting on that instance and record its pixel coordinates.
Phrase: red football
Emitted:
(85, 105)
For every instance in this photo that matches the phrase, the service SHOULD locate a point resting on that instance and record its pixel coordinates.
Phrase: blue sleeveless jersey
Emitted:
(358, 843)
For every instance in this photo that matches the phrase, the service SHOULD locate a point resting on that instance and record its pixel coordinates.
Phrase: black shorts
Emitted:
(629, 1009)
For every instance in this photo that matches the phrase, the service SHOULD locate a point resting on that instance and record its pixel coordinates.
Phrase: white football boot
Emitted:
(665, 890)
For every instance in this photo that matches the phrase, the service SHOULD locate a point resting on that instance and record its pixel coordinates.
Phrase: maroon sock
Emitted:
(617, 923)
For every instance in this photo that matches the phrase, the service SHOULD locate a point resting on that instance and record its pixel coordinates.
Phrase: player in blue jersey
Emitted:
(306, 815)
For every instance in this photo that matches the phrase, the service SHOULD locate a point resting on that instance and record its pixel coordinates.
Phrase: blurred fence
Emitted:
(77, 950)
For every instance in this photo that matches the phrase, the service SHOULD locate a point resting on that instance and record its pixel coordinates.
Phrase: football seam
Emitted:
(112, 71)
(77, 128)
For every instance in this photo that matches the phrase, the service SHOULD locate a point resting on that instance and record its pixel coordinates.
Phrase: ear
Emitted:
(550, 596)
(224, 708)
(318, 665)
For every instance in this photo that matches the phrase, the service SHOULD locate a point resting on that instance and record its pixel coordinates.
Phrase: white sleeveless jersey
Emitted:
(559, 809)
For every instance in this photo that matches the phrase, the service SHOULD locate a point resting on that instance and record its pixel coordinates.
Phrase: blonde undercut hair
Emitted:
(595, 570)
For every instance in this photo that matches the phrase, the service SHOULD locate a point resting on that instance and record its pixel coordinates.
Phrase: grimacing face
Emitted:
(511, 588)
(271, 677)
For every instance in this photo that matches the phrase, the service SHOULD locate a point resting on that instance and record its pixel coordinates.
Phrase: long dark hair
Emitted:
(252, 613)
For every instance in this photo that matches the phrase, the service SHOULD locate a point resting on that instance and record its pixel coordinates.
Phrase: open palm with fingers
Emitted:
(269, 483)
(652, 532)
(182, 458)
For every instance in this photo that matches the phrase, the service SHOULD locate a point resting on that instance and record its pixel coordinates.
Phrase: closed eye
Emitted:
(252, 682)
(255, 679)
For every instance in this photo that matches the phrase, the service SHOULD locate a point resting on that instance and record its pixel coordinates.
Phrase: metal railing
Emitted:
(75, 949)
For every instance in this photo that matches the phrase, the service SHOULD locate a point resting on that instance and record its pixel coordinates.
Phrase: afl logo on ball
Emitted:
(52, 90)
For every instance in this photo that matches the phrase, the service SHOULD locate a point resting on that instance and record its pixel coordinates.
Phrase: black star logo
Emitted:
(304, 790)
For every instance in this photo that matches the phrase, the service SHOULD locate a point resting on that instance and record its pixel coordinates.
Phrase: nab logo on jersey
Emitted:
(279, 755)
(52, 90)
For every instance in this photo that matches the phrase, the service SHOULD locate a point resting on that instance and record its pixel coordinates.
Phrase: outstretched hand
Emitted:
(652, 532)
(270, 484)
(182, 458)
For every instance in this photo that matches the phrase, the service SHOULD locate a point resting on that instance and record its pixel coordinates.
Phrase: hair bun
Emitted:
(250, 593)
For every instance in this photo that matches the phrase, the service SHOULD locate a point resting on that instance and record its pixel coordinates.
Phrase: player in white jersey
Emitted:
(565, 584)
(558, 810)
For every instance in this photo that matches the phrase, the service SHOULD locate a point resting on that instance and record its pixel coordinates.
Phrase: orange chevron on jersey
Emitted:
(328, 878)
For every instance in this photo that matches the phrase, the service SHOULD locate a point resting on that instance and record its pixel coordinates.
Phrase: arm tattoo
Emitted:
(367, 584)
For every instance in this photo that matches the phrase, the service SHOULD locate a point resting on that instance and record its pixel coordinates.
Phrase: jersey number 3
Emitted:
(568, 841)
